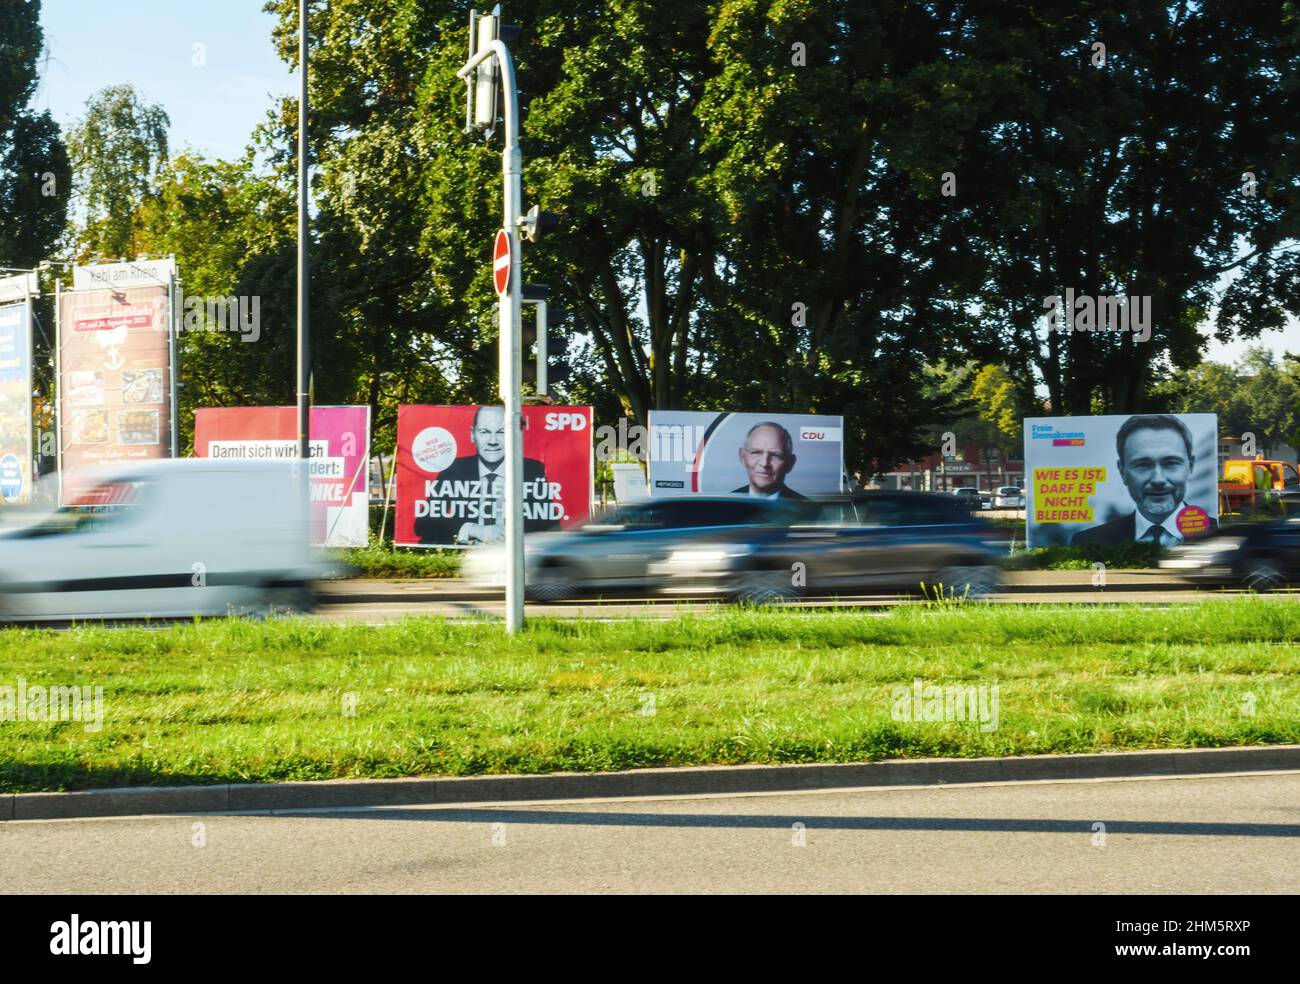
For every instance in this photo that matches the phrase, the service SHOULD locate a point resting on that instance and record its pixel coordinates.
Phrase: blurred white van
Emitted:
(166, 538)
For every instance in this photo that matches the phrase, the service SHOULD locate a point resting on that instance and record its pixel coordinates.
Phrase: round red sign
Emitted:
(501, 262)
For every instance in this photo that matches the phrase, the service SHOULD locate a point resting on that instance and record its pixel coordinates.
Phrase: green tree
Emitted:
(994, 393)
(1256, 396)
(34, 172)
(1128, 172)
(118, 150)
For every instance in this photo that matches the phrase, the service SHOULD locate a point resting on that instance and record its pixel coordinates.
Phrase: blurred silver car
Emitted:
(618, 551)
(906, 541)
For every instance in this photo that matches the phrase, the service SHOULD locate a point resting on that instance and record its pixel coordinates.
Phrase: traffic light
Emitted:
(484, 93)
(544, 327)
(537, 224)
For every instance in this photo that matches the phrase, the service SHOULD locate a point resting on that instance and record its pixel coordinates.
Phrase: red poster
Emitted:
(449, 473)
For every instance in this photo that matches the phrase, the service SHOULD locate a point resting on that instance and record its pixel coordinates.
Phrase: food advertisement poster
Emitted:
(113, 384)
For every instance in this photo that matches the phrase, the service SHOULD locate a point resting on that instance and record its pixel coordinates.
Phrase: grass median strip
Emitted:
(240, 701)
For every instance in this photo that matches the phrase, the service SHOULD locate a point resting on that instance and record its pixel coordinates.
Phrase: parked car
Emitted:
(973, 497)
(166, 538)
(907, 541)
(616, 551)
(1009, 497)
(1263, 556)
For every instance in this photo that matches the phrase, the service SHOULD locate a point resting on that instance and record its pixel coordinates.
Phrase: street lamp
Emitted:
(304, 352)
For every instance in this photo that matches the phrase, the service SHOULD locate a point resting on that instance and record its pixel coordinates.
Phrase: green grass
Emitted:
(239, 701)
(1116, 556)
(387, 561)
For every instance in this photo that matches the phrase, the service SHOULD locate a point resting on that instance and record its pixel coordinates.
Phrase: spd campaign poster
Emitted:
(113, 382)
(1150, 478)
(340, 457)
(450, 473)
(15, 402)
(775, 455)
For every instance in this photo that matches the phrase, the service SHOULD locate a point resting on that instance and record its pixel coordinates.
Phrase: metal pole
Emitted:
(58, 385)
(510, 336)
(304, 352)
(541, 348)
(173, 366)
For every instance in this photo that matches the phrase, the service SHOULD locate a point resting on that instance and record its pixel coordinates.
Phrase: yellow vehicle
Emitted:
(1254, 484)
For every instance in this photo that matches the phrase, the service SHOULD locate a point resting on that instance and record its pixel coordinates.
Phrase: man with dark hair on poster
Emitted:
(478, 515)
(767, 455)
(1156, 460)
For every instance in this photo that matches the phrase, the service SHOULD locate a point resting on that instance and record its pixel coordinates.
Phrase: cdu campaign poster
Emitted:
(1128, 478)
(450, 473)
(340, 457)
(774, 455)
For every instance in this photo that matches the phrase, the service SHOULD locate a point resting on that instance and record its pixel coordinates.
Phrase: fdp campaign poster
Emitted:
(775, 455)
(450, 473)
(340, 456)
(15, 402)
(1127, 478)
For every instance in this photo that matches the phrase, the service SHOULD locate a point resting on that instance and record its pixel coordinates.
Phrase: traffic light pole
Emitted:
(510, 327)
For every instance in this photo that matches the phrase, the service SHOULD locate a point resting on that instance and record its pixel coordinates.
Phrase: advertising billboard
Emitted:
(449, 472)
(16, 402)
(1127, 478)
(114, 384)
(777, 455)
(340, 456)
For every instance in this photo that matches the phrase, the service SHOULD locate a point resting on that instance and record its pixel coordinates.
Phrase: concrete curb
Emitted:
(140, 800)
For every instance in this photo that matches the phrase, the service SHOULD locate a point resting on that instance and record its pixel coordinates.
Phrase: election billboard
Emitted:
(340, 455)
(114, 378)
(1150, 478)
(775, 455)
(450, 473)
(16, 402)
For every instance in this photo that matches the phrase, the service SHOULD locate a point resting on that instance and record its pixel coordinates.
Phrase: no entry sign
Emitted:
(501, 262)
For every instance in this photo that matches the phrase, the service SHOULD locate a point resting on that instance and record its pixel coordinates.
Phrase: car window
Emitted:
(921, 511)
(105, 505)
(691, 515)
(828, 514)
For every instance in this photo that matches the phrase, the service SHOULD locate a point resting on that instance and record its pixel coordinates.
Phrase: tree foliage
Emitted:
(801, 205)
(118, 151)
(34, 172)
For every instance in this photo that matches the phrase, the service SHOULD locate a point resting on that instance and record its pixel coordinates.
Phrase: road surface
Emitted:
(1234, 834)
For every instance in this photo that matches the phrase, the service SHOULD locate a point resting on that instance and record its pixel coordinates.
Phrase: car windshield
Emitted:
(677, 514)
(98, 507)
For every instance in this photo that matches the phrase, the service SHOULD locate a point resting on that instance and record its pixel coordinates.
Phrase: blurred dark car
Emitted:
(972, 497)
(616, 552)
(1262, 556)
(908, 541)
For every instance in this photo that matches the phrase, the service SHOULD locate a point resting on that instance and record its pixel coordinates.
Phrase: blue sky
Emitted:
(215, 106)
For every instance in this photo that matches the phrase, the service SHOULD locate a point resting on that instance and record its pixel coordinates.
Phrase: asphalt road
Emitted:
(1236, 834)
(380, 600)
